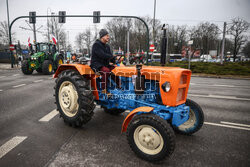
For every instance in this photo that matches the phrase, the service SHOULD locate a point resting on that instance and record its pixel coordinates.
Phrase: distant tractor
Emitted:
(45, 59)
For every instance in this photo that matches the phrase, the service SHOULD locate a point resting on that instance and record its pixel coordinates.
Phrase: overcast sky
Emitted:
(178, 12)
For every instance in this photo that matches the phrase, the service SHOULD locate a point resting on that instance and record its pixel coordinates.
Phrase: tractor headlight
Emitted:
(166, 86)
(34, 58)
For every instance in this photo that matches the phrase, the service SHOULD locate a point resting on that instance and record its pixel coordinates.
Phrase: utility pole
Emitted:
(154, 23)
(223, 43)
(34, 30)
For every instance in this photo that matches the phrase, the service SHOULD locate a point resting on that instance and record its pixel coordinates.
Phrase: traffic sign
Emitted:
(190, 42)
(12, 47)
(152, 48)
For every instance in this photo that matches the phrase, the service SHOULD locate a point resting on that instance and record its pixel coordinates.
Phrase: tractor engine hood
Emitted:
(36, 55)
(178, 78)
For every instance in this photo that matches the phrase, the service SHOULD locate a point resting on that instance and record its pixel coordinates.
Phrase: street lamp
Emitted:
(11, 55)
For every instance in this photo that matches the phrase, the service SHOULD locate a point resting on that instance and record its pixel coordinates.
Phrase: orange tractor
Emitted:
(156, 98)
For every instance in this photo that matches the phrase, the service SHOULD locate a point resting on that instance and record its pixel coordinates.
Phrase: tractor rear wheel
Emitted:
(113, 111)
(47, 67)
(74, 98)
(25, 68)
(150, 137)
(59, 61)
(195, 121)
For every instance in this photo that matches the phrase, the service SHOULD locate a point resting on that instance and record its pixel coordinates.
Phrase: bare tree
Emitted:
(141, 34)
(69, 48)
(205, 36)
(88, 39)
(4, 33)
(177, 36)
(237, 30)
(62, 40)
(229, 46)
(79, 42)
(56, 29)
(246, 49)
(85, 39)
(117, 29)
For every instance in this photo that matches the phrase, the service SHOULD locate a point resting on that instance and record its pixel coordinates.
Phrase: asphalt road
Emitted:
(32, 134)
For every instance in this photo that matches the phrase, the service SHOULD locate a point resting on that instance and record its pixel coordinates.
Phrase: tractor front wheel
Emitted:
(150, 137)
(195, 121)
(25, 68)
(47, 67)
(74, 98)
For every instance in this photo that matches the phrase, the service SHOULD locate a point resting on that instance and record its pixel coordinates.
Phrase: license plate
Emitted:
(32, 65)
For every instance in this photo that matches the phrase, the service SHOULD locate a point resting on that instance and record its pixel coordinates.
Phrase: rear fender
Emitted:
(132, 113)
(83, 70)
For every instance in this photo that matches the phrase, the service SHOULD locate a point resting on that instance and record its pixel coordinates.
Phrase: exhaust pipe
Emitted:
(139, 81)
(164, 46)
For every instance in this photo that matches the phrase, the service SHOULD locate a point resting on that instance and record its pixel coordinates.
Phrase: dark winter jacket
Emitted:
(101, 55)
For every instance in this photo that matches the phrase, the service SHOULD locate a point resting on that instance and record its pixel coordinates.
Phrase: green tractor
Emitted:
(45, 59)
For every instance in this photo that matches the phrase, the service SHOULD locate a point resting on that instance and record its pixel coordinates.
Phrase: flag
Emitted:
(54, 39)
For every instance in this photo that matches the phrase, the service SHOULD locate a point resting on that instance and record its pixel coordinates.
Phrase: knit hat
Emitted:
(103, 32)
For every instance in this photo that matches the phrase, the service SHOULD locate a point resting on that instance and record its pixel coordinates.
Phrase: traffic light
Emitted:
(96, 18)
(62, 18)
(32, 18)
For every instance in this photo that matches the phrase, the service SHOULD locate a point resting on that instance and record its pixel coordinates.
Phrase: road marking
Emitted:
(227, 126)
(9, 145)
(220, 97)
(38, 81)
(230, 86)
(1, 90)
(18, 85)
(236, 124)
(216, 85)
(2, 77)
(223, 97)
(49, 116)
(15, 75)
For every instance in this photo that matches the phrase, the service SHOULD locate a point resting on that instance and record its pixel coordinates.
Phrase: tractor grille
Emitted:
(181, 94)
(182, 89)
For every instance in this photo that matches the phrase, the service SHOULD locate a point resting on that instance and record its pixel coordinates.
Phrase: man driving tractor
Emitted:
(101, 59)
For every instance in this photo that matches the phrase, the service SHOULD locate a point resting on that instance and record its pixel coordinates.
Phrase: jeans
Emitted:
(106, 73)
